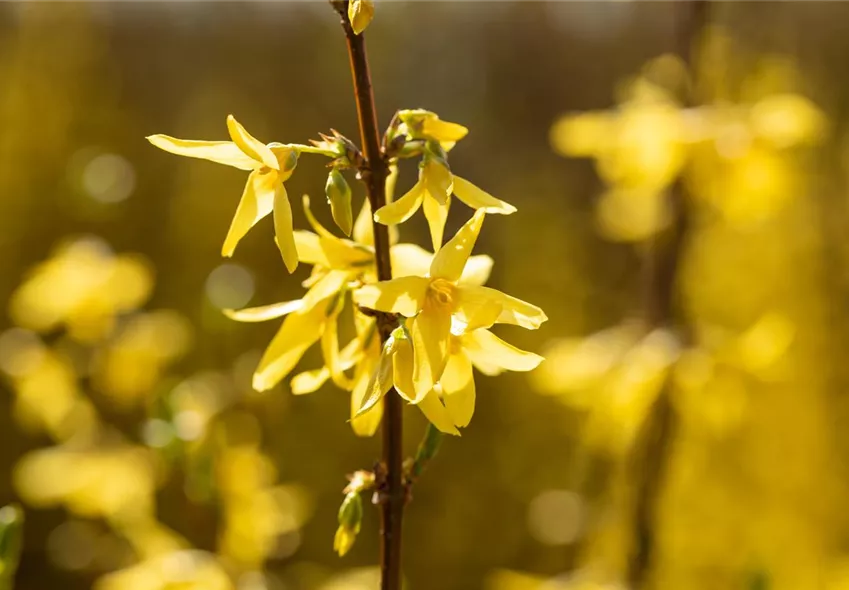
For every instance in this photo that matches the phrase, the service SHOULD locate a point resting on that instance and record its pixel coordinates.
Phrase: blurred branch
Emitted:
(373, 175)
(661, 265)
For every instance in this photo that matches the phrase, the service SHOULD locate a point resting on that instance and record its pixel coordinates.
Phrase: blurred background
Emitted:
(702, 449)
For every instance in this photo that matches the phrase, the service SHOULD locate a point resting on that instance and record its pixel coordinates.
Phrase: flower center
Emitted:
(441, 293)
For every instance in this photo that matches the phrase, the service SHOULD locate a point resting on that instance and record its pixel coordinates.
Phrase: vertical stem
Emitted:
(661, 266)
(374, 176)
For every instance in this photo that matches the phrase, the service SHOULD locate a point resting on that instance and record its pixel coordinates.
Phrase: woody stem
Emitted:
(373, 175)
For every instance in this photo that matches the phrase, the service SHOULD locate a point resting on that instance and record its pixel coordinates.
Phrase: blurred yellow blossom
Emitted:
(181, 570)
(82, 287)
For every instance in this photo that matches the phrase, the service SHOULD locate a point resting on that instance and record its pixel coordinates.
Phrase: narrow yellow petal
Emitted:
(314, 223)
(404, 295)
(402, 370)
(298, 332)
(221, 152)
(450, 261)
(363, 233)
(440, 130)
(477, 270)
(490, 354)
(477, 198)
(366, 423)
(437, 179)
(309, 248)
(430, 332)
(257, 202)
(458, 389)
(401, 210)
(265, 312)
(410, 260)
(433, 409)
(332, 355)
(309, 381)
(379, 384)
(287, 159)
(471, 298)
(328, 285)
(436, 213)
(251, 145)
(283, 228)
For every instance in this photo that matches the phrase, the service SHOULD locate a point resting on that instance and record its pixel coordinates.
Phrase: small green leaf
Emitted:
(11, 537)
(339, 196)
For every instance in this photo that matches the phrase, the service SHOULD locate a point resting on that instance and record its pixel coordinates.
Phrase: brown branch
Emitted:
(374, 174)
(662, 260)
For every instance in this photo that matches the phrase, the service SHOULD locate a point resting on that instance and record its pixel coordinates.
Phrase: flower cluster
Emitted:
(442, 311)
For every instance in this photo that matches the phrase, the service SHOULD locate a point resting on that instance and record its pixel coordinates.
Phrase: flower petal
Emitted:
(257, 202)
(283, 228)
(433, 409)
(251, 145)
(328, 285)
(450, 261)
(477, 198)
(430, 332)
(379, 384)
(221, 152)
(309, 248)
(477, 270)
(471, 298)
(298, 332)
(436, 213)
(265, 312)
(437, 179)
(490, 354)
(440, 130)
(366, 423)
(332, 355)
(404, 295)
(401, 210)
(309, 381)
(409, 260)
(458, 389)
(402, 370)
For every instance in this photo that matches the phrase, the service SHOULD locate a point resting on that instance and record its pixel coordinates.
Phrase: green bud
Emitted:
(339, 196)
(11, 536)
(350, 520)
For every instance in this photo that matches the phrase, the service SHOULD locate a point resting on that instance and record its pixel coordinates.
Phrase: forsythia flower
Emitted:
(270, 165)
(436, 183)
(422, 348)
(337, 264)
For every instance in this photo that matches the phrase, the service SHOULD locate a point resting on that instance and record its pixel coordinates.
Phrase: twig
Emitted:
(374, 176)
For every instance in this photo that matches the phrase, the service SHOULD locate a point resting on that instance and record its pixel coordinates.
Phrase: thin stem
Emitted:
(661, 267)
(374, 176)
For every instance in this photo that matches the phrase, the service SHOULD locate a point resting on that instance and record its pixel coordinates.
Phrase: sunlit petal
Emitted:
(433, 409)
(257, 202)
(443, 130)
(221, 152)
(328, 285)
(490, 354)
(410, 260)
(401, 210)
(437, 179)
(265, 312)
(364, 424)
(471, 298)
(450, 261)
(477, 270)
(283, 228)
(436, 213)
(477, 198)
(298, 332)
(251, 145)
(458, 389)
(309, 381)
(402, 368)
(430, 332)
(404, 295)
(378, 386)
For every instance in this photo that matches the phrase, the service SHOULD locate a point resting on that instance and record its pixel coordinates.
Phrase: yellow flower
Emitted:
(436, 183)
(270, 165)
(430, 302)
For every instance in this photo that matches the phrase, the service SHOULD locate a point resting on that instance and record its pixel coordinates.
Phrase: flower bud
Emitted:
(360, 13)
(11, 533)
(339, 196)
(350, 519)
